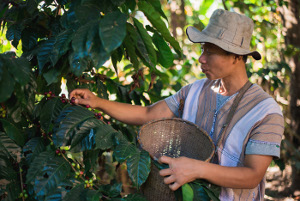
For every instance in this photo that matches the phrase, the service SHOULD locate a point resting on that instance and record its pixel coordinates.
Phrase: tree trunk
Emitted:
(291, 23)
(178, 18)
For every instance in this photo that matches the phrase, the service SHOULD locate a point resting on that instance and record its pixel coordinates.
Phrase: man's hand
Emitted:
(84, 97)
(181, 170)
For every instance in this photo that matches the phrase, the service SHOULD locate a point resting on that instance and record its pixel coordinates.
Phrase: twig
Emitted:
(225, 7)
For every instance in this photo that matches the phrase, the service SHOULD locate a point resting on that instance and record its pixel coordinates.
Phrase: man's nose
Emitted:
(202, 59)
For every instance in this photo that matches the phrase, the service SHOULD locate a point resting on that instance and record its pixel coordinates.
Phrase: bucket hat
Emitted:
(228, 30)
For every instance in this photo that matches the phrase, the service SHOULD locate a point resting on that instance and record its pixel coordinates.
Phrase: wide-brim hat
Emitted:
(228, 30)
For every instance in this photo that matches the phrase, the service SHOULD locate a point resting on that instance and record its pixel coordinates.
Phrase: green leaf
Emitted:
(9, 147)
(165, 55)
(104, 136)
(82, 194)
(87, 12)
(130, 50)
(61, 45)
(112, 30)
(13, 132)
(124, 149)
(14, 33)
(7, 172)
(90, 158)
(44, 52)
(84, 135)
(46, 172)
(29, 40)
(147, 41)
(97, 51)
(187, 192)
(33, 148)
(50, 112)
(83, 36)
(51, 76)
(69, 119)
(157, 5)
(7, 84)
(154, 17)
(111, 190)
(138, 167)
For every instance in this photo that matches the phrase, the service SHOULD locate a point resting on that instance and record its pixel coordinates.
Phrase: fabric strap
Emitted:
(233, 109)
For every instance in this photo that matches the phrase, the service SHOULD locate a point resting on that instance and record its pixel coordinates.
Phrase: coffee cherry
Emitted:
(57, 151)
(81, 172)
(63, 95)
(72, 101)
(87, 106)
(73, 164)
(63, 151)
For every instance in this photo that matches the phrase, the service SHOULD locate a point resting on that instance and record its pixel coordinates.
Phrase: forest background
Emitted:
(128, 51)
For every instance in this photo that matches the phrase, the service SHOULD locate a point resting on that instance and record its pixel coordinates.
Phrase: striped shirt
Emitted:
(256, 128)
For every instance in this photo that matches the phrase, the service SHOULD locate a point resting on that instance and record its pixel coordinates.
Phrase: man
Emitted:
(253, 136)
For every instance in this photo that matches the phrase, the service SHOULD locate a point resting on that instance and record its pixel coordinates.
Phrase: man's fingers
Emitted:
(165, 172)
(77, 93)
(170, 179)
(174, 186)
(164, 159)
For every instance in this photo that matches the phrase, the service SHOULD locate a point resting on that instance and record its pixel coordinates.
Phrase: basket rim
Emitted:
(180, 120)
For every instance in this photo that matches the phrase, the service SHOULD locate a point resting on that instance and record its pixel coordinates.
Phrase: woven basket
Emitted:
(174, 138)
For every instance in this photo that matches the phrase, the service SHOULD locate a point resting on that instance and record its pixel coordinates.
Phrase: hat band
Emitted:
(222, 33)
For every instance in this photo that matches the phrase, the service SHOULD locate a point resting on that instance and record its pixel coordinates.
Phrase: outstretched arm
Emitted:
(127, 113)
(183, 170)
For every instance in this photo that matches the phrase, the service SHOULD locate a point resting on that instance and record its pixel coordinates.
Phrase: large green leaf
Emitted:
(157, 5)
(33, 148)
(13, 132)
(112, 30)
(154, 17)
(80, 39)
(82, 194)
(7, 84)
(9, 147)
(87, 12)
(46, 172)
(44, 52)
(147, 41)
(138, 167)
(50, 112)
(165, 55)
(90, 158)
(84, 135)
(187, 192)
(129, 45)
(61, 45)
(19, 68)
(29, 39)
(111, 190)
(124, 149)
(104, 136)
(14, 33)
(7, 172)
(66, 123)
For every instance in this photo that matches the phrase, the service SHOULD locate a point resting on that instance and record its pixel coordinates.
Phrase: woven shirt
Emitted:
(256, 128)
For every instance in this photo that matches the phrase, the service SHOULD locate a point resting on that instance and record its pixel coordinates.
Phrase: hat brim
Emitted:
(197, 36)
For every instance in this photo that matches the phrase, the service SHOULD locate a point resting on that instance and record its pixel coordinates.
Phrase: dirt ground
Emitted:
(278, 183)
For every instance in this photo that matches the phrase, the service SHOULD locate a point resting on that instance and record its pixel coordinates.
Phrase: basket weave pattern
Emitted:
(174, 138)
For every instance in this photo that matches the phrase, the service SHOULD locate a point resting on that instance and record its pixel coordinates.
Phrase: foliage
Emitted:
(49, 148)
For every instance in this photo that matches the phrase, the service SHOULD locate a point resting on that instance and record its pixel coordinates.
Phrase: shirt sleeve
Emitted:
(173, 101)
(265, 138)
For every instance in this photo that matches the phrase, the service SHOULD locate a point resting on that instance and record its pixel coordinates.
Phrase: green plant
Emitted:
(49, 147)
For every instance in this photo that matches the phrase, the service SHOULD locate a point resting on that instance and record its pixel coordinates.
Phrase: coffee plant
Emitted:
(49, 148)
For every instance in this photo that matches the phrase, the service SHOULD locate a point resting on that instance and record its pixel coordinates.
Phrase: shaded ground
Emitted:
(278, 183)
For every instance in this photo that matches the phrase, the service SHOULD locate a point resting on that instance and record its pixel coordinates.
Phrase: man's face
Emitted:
(215, 62)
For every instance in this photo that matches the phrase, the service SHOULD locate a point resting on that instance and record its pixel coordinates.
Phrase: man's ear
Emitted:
(237, 58)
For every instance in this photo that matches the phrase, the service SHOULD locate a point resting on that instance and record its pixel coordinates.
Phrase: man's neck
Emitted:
(231, 84)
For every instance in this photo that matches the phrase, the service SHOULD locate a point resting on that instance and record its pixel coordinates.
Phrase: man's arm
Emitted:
(127, 113)
(183, 170)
